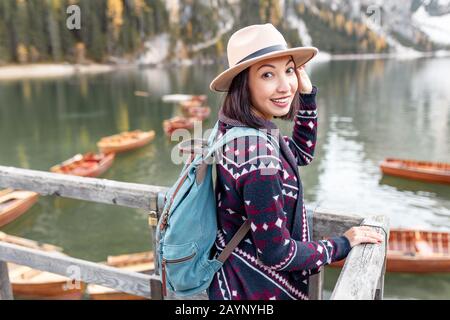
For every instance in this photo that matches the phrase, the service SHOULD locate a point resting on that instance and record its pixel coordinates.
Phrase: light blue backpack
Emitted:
(187, 228)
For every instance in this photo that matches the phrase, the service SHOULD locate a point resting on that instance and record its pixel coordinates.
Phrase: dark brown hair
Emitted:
(237, 103)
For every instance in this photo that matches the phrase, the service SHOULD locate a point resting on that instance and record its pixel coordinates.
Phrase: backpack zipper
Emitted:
(163, 270)
(180, 259)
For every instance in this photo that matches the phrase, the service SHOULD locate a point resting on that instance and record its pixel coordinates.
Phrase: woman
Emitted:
(267, 80)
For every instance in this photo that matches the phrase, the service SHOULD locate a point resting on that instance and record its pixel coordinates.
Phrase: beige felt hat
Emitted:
(255, 43)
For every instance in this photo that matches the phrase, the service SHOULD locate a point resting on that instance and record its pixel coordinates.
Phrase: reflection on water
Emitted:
(368, 110)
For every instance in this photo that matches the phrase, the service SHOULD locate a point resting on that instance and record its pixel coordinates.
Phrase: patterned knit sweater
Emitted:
(258, 180)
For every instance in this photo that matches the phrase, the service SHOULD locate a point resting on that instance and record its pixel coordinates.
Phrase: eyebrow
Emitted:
(271, 66)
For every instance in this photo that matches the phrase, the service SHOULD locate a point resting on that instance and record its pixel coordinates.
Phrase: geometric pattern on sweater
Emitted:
(303, 140)
(280, 266)
(274, 276)
(255, 264)
(305, 227)
(256, 182)
(245, 155)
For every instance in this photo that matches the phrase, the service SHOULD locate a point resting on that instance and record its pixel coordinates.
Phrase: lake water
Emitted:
(368, 110)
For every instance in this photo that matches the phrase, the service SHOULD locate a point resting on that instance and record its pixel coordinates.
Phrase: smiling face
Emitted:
(273, 84)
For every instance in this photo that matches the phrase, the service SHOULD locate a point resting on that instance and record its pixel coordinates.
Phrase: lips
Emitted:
(281, 102)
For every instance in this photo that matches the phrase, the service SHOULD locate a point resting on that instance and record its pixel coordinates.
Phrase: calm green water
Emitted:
(368, 110)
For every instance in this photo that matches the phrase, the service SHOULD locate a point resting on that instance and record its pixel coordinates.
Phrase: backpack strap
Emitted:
(213, 134)
(237, 238)
(230, 135)
(233, 133)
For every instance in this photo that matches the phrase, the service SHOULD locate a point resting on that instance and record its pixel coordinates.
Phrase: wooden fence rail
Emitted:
(362, 276)
(89, 272)
(125, 194)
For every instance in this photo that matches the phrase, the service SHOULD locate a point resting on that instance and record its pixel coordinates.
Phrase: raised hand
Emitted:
(304, 83)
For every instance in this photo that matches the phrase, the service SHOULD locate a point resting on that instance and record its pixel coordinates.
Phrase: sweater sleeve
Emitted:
(262, 195)
(303, 140)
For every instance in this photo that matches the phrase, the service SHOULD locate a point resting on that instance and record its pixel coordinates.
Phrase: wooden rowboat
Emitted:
(175, 123)
(14, 203)
(28, 243)
(34, 284)
(199, 113)
(85, 165)
(417, 170)
(178, 98)
(125, 141)
(137, 262)
(141, 93)
(416, 251)
(29, 283)
(186, 105)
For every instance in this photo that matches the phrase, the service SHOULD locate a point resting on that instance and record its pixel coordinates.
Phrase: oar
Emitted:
(6, 191)
(28, 243)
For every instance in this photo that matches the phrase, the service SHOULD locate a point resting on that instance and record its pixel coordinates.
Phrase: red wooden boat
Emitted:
(125, 141)
(416, 251)
(175, 123)
(186, 105)
(85, 165)
(199, 113)
(14, 203)
(137, 262)
(35, 284)
(418, 170)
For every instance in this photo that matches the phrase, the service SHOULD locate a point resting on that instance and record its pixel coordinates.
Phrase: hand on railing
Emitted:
(363, 234)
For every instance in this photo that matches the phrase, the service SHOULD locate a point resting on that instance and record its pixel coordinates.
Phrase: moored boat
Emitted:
(416, 251)
(438, 172)
(34, 284)
(137, 262)
(85, 165)
(14, 203)
(141, 93)
(178, 98)
(175, 123)
(199, 113)
(125, 141)
(28, 283)
(186, 105)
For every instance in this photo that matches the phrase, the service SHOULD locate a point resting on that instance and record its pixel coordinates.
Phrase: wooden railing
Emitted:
(362, 276)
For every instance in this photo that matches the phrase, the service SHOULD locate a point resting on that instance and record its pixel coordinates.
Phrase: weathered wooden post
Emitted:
(156, 285)
(316, 286)
(5, 285)
(379, 292)
(363, 271)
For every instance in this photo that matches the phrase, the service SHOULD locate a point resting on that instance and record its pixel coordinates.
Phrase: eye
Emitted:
(290, 70)
(267, 75)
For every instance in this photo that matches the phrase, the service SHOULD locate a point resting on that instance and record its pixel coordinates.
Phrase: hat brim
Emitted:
(301, 56)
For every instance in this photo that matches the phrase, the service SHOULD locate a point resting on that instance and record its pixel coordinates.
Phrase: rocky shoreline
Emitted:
(54, 70)
(50, 70)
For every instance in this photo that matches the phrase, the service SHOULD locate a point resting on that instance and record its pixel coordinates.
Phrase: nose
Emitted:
(283, 85)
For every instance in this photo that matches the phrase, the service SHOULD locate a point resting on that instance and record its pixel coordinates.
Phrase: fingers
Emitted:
(363, 234)
(369, 238)
(304, 83)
